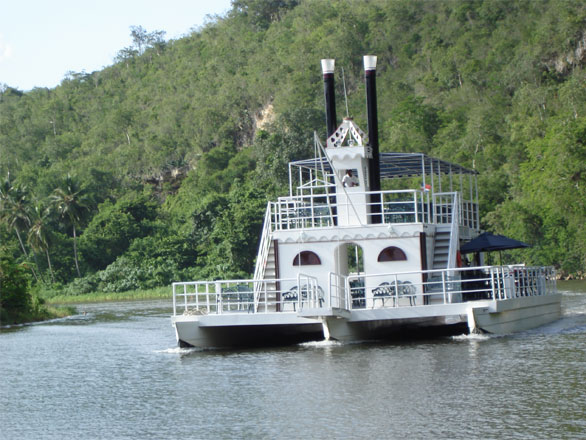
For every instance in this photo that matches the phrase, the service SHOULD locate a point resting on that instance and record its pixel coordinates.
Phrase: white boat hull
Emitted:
(489, 316)
(517, 314)
(219, 331)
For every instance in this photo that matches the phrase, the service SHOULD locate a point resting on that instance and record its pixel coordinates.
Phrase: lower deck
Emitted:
(248, 312)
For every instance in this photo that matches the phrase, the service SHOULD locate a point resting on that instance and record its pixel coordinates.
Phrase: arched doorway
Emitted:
(350, 264)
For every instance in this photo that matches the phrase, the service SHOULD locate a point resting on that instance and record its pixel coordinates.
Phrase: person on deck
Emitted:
(349, 179)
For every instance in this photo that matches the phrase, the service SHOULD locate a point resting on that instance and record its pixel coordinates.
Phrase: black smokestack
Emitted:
(374, 161)
(327, 67)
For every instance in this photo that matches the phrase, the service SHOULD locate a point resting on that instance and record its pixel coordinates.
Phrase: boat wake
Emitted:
(323, 343)
(574, 323)
(473, 337)
(180, 351)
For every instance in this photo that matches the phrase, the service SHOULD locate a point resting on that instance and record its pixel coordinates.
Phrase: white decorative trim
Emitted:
(347, 127)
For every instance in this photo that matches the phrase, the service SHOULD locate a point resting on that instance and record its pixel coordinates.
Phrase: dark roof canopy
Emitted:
(487, 242)
(395, 165)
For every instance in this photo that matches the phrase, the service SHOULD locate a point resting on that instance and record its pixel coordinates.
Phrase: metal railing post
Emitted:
(299, 292)
(416, 207)
(185, 296)
(174, 301)
(219, 297)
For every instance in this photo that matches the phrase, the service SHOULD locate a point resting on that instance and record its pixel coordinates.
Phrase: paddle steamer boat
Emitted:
(342, 258)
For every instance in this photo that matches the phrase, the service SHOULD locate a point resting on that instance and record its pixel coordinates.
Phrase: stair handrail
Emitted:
(454, 232)
(263, 254)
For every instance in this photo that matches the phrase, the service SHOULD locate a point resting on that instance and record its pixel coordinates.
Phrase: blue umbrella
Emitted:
(487, 242)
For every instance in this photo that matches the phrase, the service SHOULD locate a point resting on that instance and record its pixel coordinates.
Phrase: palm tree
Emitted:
(70, 202)
(37, 234)
(14, 208)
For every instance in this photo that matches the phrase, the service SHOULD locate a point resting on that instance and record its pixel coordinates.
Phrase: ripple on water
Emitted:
(180, 350)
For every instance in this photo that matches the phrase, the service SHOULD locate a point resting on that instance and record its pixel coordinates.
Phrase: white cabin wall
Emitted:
(329, 252)
(326, 253)
(409, 245)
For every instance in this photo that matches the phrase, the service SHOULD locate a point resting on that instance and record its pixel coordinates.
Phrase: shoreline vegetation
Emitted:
(130, 295)
(40, 313)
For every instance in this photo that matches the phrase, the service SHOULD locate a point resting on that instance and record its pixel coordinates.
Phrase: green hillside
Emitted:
(158, 168)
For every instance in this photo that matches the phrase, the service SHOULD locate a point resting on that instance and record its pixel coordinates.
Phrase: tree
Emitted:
(38, 233)
(262, 12)
(112, 230)
(70, 202)
(15, 299)
(14, 211)
(143, 39)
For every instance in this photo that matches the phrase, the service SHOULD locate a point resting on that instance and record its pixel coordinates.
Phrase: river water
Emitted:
(114, 372)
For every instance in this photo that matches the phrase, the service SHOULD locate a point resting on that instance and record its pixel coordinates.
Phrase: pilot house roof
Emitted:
(397, 165)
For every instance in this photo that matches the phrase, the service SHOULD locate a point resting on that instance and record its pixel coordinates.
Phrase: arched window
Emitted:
(306, 258)
(392, 253)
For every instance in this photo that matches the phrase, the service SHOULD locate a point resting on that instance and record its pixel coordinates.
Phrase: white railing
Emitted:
(386, 290)
(391, 207)
(247, 296)
(338, 291)
(454, 232)
(469, 214)
(444, 205)
(310, 211)
(420, 288)
(263, 250)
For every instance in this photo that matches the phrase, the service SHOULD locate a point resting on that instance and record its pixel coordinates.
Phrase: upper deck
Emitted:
(394, 207)
(422, 189)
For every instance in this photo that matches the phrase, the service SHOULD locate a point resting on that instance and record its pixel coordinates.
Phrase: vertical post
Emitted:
(439, 175)
(327, 66)
(185, 296)
(219, 297)
(174, 304)
(416, 201)
(299, 292)
(374, 161)
(207, 295)
(444, 285)
(476, 203)
(433, 198)
(347, 293)
(290, 181)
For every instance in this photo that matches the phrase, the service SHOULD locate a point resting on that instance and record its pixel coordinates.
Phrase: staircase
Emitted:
(271, 286)
(270, 265)
(441, 247)
(266, 269)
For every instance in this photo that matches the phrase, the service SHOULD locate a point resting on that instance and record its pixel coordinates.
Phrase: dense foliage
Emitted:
(158, 167)
(17, 304)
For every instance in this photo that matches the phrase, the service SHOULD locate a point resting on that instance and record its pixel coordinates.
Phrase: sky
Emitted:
(42, 40)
